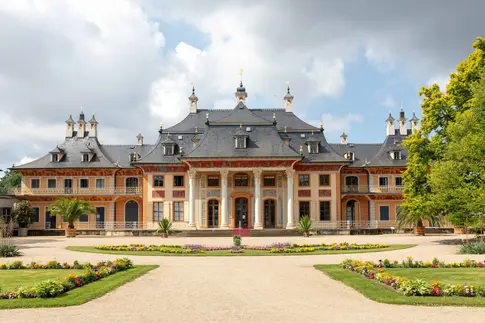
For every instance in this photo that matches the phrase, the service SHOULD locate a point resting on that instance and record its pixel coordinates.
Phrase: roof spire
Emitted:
(193, 97)
(81, 115)
(288, 97)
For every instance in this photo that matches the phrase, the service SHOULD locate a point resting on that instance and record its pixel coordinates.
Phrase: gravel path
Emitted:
(239, 289)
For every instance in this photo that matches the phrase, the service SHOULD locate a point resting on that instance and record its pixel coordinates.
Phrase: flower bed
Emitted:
(279, 247)
(416, 287)
(52, 288)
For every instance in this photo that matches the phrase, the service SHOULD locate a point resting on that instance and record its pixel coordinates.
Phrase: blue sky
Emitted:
(131, 62)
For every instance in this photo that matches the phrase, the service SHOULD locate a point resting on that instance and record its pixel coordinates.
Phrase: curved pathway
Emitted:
(238, 289)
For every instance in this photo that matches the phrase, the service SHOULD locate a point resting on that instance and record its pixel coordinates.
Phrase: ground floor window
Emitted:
(324, 210)
(384, 213)
(304, 208)
(157, 211)
(82, 218)
(36, 217)
(178, 211)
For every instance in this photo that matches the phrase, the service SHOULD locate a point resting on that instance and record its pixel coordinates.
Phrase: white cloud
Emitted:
(442, 80)
(328, 76)
(388, 101)
(337, 124)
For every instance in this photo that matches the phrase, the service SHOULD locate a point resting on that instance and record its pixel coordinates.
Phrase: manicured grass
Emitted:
(9, 279)
(383, 294)
(80, 295)
(245, 253)
(471, 276)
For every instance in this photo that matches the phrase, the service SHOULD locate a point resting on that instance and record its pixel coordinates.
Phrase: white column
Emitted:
(224, 214)
(192, 176)
(290, 221)
(257, 199)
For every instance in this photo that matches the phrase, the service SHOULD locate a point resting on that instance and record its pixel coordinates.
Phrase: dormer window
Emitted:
(240, 142)
(85, 158)
(396, 155)
(313, 148)
(312, 143)
(349, 155)
(54, 158)
(168, 150)
(134, 157)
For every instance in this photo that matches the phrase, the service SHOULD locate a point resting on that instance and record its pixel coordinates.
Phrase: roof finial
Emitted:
(161, 126)
(196, 130)
(285, 128)
(288, 87)
(312, 132)
(240, 74)
(207, 116)
(240, 126)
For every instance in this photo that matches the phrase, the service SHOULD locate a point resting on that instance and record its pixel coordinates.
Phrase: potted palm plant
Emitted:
(22, 213)
(164, 227)
(70, 211)
(416, 219)
(305, 225)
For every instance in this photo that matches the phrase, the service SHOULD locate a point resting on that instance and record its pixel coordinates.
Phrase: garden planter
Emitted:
(419, 231)
(306, 234)
(71, 233)
(22, 232)
(164, 235)
(457, 230)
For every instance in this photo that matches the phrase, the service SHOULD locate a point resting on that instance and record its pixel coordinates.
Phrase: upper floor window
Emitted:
(313, 148)
(178, 180)
(100, 183)
(35, 183)
(269, 180)
(213, 181)
(51, 183)
(383, 181)
(85, 158)
(6, 211)
(304, 180)
(158, 181)
(324, 180)
(240, 142)
(84, 183)
(398, 181)
(241, 180)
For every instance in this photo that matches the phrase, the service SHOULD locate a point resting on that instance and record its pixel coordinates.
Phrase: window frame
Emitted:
(395, 181)
(55, 183)
(31, 182)
(238, 142)
(174, 181)
(80, 181)
(299, 180)
(156, 178)
(169, 150)
(157, 214)
(320, 179)
(388, 212)
(38, 214)
(313, 148)
(329, 211)
(213, 177)
(179, 212)
(397, 155)
(300, 203)
(83, 159)
(275, 183)
(54, 158)
(80, 219)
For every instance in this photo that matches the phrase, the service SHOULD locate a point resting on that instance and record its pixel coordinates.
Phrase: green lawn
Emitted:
(80, 295)
(381, 293)
(9, 279)
(245, 253)
(472, 276)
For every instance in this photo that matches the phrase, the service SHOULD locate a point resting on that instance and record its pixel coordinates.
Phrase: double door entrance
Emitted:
(241, 213)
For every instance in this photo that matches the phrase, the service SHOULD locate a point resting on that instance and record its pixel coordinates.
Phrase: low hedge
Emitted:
(52, 288)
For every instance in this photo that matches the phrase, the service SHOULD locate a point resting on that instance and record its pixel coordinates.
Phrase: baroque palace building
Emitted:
(241, 167)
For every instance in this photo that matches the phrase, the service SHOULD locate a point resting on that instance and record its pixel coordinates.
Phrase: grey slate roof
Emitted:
(325, 154)
(241, 114)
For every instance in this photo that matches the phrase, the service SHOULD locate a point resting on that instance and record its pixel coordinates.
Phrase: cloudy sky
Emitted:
(132, 62)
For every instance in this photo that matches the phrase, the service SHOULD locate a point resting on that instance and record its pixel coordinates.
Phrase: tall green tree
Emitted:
(9, 181)
(428, 145)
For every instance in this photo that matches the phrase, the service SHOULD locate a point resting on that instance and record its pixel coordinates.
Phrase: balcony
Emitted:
(371, 189)
(78, 191)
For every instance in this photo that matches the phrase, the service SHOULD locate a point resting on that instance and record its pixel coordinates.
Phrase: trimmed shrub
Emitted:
(476, 248)
(9, 250)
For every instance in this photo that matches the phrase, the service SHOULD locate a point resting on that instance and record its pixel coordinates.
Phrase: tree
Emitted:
(23, 213)
(71, 210)
(427, 147)
(9, 181)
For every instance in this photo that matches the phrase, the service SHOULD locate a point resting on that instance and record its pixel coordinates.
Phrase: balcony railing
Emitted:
(371, 189)
(79, 191)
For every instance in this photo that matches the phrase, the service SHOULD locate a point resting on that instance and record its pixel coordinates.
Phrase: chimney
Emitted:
(70, 127)
(93, 132)
(193, 101)
(343, 139)
(139, 140)
(81, 125)
(414, 123)
(288, 100)
(390, 126)
(402, 124)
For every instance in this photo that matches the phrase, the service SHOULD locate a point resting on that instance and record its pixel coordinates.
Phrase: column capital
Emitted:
(290, 172)
(257, 172)
(224, 172)
(192, 173)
